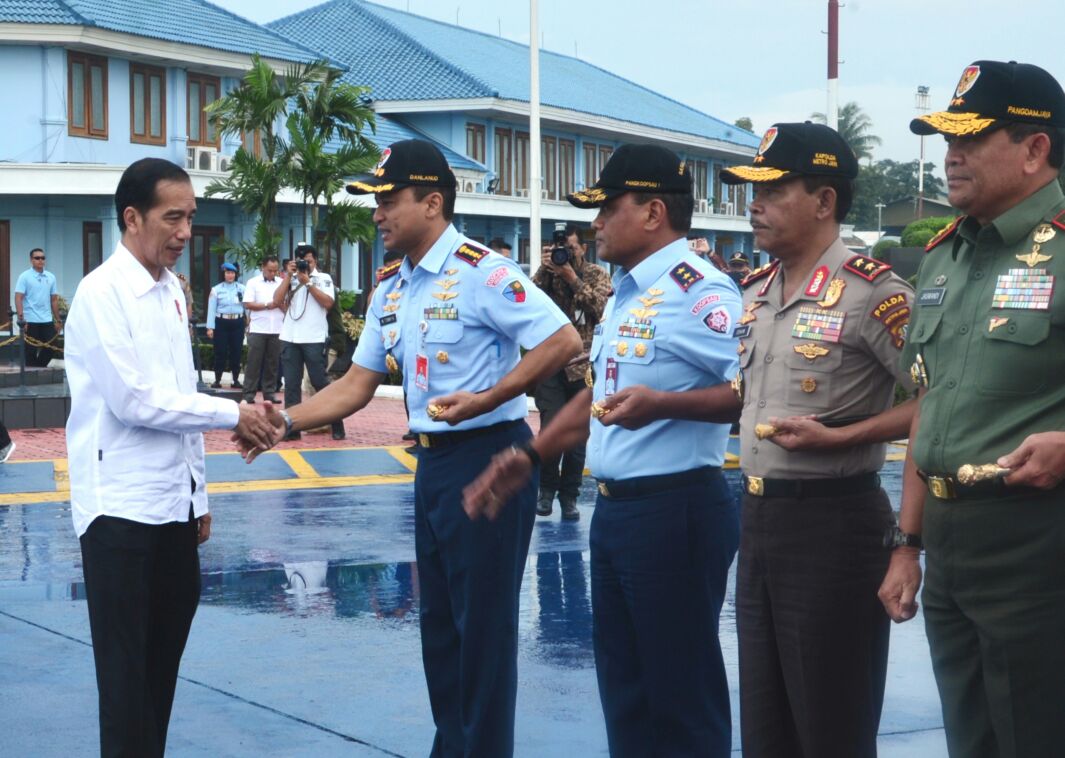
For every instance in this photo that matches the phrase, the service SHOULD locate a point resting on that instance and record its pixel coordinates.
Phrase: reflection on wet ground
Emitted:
(306, 642)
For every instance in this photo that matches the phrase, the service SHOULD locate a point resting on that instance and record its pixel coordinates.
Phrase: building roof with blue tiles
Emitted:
(389, 130)
(411, 58)
(190, 22)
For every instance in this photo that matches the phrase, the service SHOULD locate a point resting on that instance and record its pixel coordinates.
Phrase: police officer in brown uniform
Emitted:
(986, 347)
(820, 340)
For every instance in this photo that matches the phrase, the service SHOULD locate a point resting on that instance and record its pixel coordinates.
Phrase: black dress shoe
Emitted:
(569, 510)
(271, 399)
(237, 385)
(216, 385)
(338, 434)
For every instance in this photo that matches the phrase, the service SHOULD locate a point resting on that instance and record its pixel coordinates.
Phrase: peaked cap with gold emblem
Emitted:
(406, 163)
(788, 150)
(992, 94)
(636, 168)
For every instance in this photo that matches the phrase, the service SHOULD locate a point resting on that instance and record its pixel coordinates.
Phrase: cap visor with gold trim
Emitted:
(636, 168)
(991, 94)
(796, 149)
(365, 188)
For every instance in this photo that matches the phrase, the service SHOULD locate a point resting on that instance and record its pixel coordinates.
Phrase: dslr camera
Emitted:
(560, 254)
(302, 266)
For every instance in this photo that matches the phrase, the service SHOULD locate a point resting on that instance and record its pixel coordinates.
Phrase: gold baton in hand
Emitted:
(765, 431)
(970, 473)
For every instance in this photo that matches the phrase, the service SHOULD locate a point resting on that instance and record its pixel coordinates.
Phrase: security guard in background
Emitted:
(665, 529)
(454, 316)
(225, 324)
(820, 339)
(985, 344)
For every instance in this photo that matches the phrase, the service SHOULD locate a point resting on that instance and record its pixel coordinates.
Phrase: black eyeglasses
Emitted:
(38, 257)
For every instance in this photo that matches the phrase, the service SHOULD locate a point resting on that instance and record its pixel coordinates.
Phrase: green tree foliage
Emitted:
(881, 247)
(886, 181)
(321, 142)
(919, 232)
(744, 122)
(854, 125)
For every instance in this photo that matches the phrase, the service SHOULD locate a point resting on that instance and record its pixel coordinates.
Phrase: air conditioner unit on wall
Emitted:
(223, 163)
(701, 206)
(205, 158)
(190, 157)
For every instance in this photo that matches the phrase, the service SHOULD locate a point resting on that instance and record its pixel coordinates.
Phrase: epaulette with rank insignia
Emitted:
(943, 234)
(685, 275)
(867, 268)
(1059, 220)
(759, 273)
(390, 270)
(471, 254)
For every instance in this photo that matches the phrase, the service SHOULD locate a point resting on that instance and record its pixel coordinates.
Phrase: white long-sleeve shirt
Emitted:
(134, 436)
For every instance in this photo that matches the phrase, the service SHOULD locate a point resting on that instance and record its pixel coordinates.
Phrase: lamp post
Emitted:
(879, 220)
(923, 103)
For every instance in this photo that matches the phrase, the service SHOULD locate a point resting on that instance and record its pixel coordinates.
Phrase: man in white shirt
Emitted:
(306, 295)
(264, 332)
(137, 481)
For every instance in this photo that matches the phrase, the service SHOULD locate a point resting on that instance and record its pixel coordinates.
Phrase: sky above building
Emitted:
(767, 59)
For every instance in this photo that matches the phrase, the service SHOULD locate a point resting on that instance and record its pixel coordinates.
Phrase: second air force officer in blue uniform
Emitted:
(665, 527)
(453, 316)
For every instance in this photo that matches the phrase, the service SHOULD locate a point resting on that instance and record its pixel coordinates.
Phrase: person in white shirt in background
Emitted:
(264, 340)
(135, 445)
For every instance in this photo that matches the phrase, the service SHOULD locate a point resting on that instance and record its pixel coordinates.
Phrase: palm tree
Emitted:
(854, 126)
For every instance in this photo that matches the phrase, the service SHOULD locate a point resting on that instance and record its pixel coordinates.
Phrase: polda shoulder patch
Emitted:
(867, 268)
(759, 273)
(944, 234)
(684, 275)
(471, 254)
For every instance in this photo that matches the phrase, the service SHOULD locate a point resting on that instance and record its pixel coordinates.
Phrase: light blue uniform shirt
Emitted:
(226, 299)
(37, 290)
(668, 326)
(455, 322)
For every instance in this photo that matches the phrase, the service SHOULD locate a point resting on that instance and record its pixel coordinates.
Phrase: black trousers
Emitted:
(813, 636)
(42, 332)
(228, 339)
(659, 574)
(469, 575)
(551, 394)
(296, 355)
(994, 609)
(264, 352)
(142, 582)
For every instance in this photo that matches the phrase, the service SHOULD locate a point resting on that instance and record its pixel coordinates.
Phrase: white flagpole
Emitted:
(534, 137)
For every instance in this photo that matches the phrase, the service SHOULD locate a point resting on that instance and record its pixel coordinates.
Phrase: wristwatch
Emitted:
(895, 537)
(288, 422)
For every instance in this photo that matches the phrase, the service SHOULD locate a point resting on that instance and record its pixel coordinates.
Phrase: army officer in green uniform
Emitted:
(982, 484)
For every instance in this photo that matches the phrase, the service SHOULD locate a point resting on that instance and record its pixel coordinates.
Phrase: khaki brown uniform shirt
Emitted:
(989, 327)
(832, 350)
(583, 306)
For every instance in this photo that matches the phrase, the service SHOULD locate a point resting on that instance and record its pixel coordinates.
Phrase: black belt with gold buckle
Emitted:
(947, 487)
(801, 488)
(446, 439)
(642, 486)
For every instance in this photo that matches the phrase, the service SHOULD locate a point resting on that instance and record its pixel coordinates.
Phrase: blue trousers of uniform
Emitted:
(469, 575)
(659, 570)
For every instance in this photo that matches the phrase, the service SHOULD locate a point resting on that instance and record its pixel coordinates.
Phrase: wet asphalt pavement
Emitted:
(306, 640)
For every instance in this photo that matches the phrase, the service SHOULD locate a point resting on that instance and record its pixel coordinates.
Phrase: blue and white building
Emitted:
(89, 86)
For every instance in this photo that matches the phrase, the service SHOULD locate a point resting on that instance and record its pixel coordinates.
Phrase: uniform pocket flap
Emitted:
(1020, 330)
(444, 331)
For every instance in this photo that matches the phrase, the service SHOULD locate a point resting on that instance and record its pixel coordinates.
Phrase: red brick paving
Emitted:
(382, 422)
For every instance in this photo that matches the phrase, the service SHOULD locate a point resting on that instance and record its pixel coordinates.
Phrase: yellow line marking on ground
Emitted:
(297, 463)
(61, 472)
(401, 455)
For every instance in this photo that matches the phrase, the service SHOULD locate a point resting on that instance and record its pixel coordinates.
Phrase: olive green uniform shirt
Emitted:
(815, 356)
(990, 332)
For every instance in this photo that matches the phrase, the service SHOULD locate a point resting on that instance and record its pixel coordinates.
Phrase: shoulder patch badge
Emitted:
(944, 234)
(390, 270)
(867, 268)
(685, 276)
(470, 254)
(759, 273)
(1058, 221)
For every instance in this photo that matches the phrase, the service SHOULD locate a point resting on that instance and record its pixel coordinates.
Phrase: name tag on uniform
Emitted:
(389, 319)
(931, 296)
(743, 330)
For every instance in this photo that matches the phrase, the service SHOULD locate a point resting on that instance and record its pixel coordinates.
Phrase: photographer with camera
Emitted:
(306, 295)
(581, 290)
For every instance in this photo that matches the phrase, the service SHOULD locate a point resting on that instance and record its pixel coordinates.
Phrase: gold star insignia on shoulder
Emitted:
(445, 296)
(810, 351)
(446, 284)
